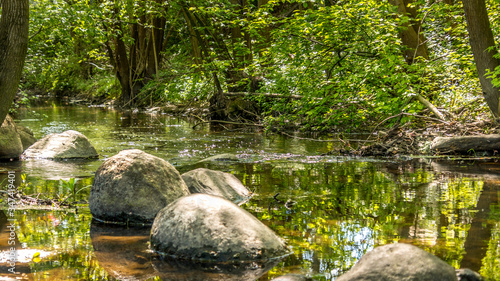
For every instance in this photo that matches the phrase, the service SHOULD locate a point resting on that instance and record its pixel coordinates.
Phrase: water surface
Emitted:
(343, 207)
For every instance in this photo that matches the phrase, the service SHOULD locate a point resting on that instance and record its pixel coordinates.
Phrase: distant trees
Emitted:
(340, 62)
(134, 40)
(14, 22)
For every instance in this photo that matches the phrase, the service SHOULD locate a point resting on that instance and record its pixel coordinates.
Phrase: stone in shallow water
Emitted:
(221, 157)
(291, 277)
(210, 228)
(26, 135)
(66, 145)
(395, 262)
(216, 183)
(133, 186)
(11, 146)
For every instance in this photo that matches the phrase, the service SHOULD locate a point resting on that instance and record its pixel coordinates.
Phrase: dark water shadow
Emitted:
(170, 269)
(124, 253)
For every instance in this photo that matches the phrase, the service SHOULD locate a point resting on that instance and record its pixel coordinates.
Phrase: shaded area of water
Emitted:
(338, 208)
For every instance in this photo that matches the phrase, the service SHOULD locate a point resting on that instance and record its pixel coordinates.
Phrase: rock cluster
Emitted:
(216, 183)
(134, 187)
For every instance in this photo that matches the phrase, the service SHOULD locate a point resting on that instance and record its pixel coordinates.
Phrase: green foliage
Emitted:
(102, 86)
(344, 58)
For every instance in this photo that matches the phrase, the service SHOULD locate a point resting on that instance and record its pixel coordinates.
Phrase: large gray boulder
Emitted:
(203, 227)
(395, 262)
(66, 145)
(11, 146)
(132, 187)
(216, 183)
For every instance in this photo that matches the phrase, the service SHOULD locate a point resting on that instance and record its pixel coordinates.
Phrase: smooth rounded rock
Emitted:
(216, 183)
(133, 186)
(395, 262)
(66, 145)
(210, 228)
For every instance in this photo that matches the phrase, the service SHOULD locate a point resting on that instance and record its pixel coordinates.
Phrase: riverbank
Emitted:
(384, 139)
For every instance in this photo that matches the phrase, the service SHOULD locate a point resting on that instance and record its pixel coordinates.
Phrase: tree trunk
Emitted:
(14, 23)
(412, 36)
(481, 38)
(122, 69)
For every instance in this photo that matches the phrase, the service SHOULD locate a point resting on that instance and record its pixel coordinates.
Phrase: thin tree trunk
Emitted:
(481, 39)
(14, 30)
(412, 36)
(123, 71)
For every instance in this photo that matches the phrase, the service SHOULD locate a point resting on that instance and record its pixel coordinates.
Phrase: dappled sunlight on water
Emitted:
(330, 210)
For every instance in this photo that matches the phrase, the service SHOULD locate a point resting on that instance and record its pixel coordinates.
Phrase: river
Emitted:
(343, 207)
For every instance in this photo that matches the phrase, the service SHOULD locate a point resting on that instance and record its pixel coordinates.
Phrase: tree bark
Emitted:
(411, 36)
(481, 38)
(14, 32)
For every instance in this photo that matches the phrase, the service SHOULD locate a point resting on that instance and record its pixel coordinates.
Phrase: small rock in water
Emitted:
(465, 274)
(216, 183)
(66, 145)
(221, 157)
(395, 262)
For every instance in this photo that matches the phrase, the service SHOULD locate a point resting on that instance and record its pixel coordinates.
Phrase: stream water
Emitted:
(343, 207)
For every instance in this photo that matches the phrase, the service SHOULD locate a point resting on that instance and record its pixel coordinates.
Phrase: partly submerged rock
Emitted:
(216, 183)
(291, 277)
(395, 262)
(11, 146)
(133, 186)
(204, 227)
(221, 157)
(26, 135)
(465, 274)
(66, 145)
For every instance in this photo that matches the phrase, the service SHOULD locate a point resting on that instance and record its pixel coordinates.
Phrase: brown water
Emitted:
(344, 206)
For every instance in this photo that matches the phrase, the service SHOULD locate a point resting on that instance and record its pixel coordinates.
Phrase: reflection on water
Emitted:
(330, 210)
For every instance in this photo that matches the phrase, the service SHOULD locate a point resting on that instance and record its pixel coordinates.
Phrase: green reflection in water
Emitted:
(338, 208)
